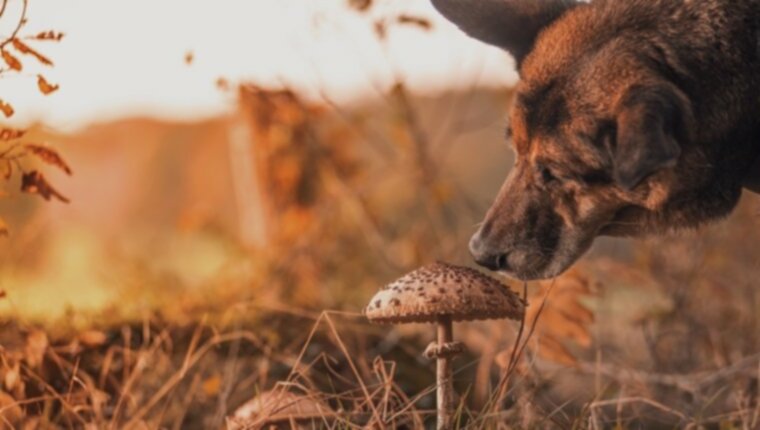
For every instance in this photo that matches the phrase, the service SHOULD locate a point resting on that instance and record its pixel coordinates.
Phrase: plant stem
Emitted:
(444, 376)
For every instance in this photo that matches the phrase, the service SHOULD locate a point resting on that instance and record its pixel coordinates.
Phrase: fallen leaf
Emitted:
(35, 183)
(49, 156)
(25, 49)
(11, 61)
(6, 108)
(12, 376)
(10, 411)
(34, 350)
(92, 338)
(46, 87)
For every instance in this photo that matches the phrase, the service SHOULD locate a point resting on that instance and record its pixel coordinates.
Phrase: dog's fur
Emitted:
(631, 117)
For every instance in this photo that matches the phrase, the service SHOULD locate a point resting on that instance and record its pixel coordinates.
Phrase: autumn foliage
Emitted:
(17, 156)
(229, 259)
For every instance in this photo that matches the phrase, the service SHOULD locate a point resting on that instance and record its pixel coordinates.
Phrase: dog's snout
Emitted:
(493, 262)
(485, 256)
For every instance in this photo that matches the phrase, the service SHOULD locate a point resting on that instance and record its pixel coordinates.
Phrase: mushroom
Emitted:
(442, 293)
(280, 409)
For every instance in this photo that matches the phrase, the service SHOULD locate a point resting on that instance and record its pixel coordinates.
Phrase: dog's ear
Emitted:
(652, 123)
(510, 24)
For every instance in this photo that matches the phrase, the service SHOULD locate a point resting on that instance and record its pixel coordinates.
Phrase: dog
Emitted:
(630, 118)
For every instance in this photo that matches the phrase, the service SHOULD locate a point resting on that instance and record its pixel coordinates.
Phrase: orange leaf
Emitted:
(12, 412)
(11, 61)
(549, 348)
(7, 109)
(7, 170)
(46, 87)
(93, 338)
(381, 29)
(25, 49)
(222, 84)
(49, 156)
(7, 134)
(36, 345)
(360, 5)
(49, 35)
(34, 183)
(417, 21)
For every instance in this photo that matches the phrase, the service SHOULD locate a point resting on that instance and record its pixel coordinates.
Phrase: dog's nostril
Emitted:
(493, 261)
(501, 262)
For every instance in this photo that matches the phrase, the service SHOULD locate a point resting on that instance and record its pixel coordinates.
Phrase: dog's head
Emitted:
(597, 131)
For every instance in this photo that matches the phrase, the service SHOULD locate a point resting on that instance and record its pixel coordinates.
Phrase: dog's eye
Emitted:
(546, 175)
(596, 177)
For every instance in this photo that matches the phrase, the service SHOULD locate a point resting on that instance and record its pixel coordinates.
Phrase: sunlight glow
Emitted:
(127, 58)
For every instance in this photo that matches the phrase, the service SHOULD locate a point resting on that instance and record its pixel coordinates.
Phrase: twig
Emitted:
(19, 25)
(644, 400)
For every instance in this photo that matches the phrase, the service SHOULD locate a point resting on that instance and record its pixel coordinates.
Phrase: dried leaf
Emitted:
(36, 345)
(10, 411)
(553, 350)
(50, 35)
(7, 134)
(7, 170)
(222, 84)
(34, 183)
(12, 376)
(212, 385)
(11, 61)
(92, 338)
(360, 5)
(381, 29)
(49, 156)
(416, 21)
(25, 49)
(46, 87)
(7, 109)
(563, 318)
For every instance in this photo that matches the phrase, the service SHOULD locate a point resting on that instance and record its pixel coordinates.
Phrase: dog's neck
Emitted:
(752, 180)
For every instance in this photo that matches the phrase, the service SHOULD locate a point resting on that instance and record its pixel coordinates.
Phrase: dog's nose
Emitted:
(493, 262)
(490, 259)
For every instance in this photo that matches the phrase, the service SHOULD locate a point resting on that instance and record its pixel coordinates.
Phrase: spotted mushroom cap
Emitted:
(442, 289)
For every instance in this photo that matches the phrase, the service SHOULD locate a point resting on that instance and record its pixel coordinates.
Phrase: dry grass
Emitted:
(646, 335)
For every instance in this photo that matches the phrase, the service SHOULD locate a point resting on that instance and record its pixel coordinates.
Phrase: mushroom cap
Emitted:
(278, 405)
(444, 290)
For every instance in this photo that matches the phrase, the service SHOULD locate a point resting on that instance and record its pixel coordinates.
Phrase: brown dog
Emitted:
(631, 117)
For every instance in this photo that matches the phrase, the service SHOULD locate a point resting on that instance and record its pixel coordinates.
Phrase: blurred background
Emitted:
(240, 168)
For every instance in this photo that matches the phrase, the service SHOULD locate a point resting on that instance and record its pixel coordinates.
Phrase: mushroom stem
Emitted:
(444, 375)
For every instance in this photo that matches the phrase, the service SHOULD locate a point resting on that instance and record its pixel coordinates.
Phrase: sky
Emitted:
(124, 58)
